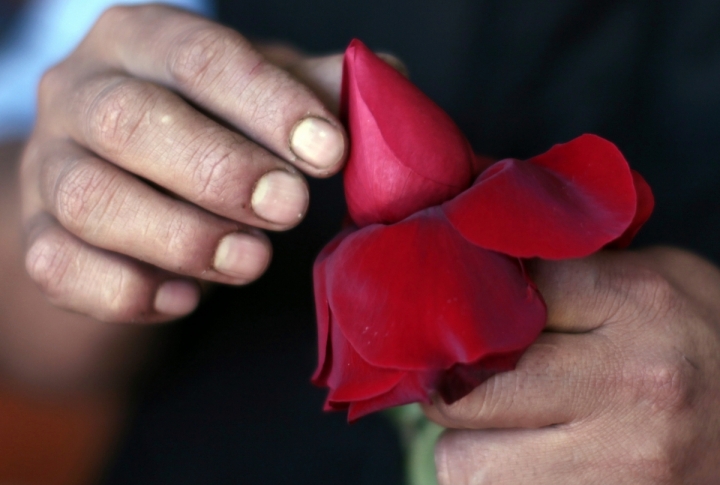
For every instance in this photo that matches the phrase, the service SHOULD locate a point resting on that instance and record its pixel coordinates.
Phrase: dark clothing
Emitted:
(8, 12)
(518, 76)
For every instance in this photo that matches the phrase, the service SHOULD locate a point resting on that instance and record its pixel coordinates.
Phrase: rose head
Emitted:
(396, 168)
(428, 292)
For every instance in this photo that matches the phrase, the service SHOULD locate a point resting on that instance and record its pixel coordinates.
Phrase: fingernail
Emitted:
(317, 142)
(241, 255)
(177, 297)
(280, 197)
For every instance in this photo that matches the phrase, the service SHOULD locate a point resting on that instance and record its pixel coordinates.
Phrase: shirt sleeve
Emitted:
(47, 31)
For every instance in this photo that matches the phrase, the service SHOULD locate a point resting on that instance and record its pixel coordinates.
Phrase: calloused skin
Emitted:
(622, 388)
(141, 178)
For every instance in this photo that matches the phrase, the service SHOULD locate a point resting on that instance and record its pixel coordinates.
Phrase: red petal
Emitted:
(417, 296)
(352, 378)
(566, 203)
(406, 154)
(645, 206)
(413, 388)
(321, 308)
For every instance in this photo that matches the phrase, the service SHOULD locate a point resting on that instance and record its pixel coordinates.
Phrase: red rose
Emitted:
(428, 292)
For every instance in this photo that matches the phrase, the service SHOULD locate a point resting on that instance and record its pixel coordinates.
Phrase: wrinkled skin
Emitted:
(162, 145)
(83, 194)
(622, 388)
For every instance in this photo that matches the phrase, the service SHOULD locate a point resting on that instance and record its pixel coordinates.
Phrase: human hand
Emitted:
(623, 387)
(162, 144)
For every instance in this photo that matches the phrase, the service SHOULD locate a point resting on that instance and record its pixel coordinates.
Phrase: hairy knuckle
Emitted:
(119, 112)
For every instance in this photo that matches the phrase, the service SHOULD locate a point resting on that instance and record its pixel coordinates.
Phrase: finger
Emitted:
(551, 456)
(322, 74)
(104, 285)
(585, 294)
(561, 378)
(219, 70)
(109, 208)
(151, 132)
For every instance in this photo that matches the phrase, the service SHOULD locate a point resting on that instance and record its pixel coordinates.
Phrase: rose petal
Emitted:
(321, 307)
(413, 388)
(351, 378)
(417, 296)
(645, 206)
(406, 154)
(566, 203)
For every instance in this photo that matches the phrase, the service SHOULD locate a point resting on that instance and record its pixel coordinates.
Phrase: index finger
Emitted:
(219, 70)
(561, 378)
(583, 295)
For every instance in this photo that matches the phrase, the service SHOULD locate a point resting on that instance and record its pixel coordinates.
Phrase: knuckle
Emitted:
(185, 244)
(655, 461)
(119, 112)
(202, 53)
(217, 175)
(48, 261)
(81, 279)
(666, 387)
(124, 296)
(265, 95)
(82, 194)
(50, 84)
(640, 293)
(652, 290)
(113, 15)
(669, 388)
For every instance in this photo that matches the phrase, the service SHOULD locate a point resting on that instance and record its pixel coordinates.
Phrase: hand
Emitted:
(162, 144)
(623, 387)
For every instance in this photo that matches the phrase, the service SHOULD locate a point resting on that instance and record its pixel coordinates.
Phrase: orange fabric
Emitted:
(55, 441)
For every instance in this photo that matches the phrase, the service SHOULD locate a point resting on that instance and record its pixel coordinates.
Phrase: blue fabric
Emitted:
(45, 32)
